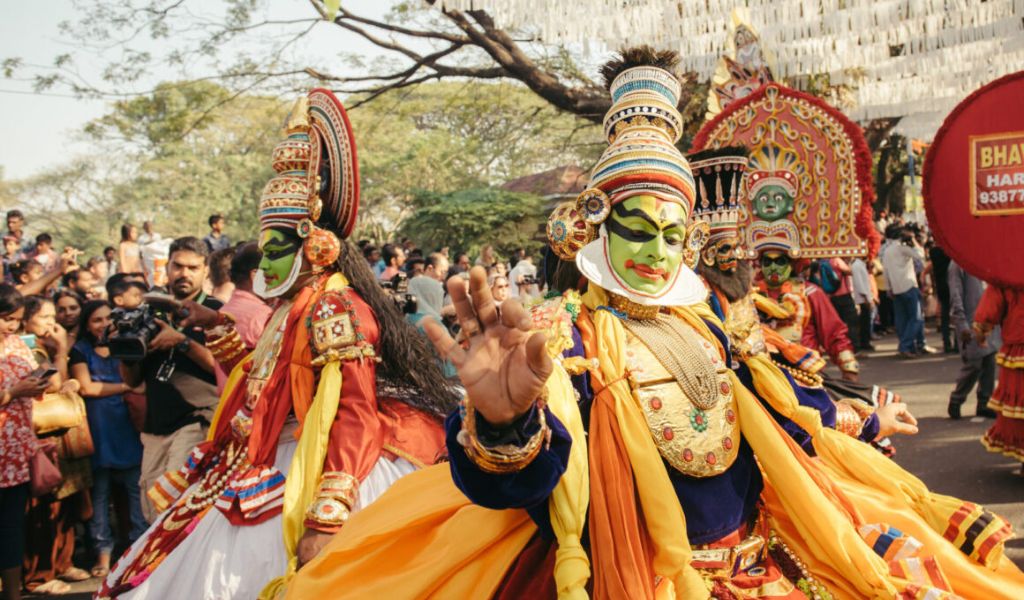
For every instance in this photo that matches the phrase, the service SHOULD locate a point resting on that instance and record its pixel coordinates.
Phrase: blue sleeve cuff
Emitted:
(526, 488)
(517, 433)
(870, 430)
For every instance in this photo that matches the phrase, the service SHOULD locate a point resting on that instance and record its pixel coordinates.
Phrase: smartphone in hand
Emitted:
(44, 372)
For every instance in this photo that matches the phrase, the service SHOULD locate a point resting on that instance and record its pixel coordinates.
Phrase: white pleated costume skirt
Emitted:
(221, 561)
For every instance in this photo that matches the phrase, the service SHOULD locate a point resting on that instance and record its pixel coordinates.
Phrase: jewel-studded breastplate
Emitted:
(684, 391)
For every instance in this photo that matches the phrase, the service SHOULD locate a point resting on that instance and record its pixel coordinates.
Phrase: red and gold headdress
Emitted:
(809, 148)
(315, 193)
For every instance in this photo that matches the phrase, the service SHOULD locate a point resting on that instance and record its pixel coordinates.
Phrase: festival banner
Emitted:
(997, 174)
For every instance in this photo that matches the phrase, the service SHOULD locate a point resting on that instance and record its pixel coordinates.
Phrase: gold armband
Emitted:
(848, 421)
(224, 342)
(848, 362)
(507, 458)
(335, 498)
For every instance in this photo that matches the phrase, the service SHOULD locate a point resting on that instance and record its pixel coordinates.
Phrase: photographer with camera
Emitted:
(176, 366)
(898, 259)
(522, 279)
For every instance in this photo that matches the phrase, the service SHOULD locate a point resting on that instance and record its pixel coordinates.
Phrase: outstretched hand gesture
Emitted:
(505, 366)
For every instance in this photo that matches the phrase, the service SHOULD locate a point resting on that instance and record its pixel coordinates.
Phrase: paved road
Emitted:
(946, 454)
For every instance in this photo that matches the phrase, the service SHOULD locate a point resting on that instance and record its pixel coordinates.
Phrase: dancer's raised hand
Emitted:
(504, 366)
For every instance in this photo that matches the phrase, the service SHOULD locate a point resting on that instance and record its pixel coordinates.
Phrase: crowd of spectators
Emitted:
(136, 419)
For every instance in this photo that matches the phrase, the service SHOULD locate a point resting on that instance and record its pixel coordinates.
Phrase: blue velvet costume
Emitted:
(714, 506)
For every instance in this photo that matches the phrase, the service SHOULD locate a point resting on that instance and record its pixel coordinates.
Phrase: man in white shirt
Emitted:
(898, 262)
(864, 297)
(153, 248)
(519, 278)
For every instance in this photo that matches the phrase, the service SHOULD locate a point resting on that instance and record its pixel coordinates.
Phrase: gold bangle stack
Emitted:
(227, 347)
(337, 495)
(507, 458)
(848, 420)
(848, 362)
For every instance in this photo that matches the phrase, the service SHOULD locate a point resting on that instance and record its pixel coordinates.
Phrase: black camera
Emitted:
(132, 330)
(398, 288)
(529, 280)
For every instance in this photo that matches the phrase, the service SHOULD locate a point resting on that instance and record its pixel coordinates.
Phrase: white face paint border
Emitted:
(259, 282)
(593, 262)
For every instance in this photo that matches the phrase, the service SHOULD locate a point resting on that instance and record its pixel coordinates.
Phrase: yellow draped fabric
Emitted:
(308, 461)
(882, 492)
(666, 523)
(569, 500)
(423, 538)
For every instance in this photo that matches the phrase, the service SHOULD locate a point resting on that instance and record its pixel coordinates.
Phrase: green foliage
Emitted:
(445, 137)
(71, 203)
(191, 149)
(176, 156)
(467, 220)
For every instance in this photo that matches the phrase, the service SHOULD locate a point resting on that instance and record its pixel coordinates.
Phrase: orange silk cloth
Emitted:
(435, 543)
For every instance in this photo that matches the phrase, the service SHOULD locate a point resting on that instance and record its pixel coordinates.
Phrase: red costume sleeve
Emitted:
(992, 307)
(825, 330)
(357, 435)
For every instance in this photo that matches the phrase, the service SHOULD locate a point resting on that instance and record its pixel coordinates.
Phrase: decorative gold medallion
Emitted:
(692, 417)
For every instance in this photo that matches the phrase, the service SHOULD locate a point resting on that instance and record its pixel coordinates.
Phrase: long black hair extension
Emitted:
(407, 361)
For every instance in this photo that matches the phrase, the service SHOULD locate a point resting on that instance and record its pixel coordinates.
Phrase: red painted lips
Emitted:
(646, 271)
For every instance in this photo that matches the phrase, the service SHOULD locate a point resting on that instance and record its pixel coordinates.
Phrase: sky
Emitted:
(41, 130)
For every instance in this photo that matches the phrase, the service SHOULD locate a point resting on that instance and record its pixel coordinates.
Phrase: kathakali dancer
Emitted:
(808, 196)
(720, 197)
(605, 447)
(338, 400)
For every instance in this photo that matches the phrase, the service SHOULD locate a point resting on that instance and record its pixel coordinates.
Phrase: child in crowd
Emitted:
(26, 271)
(12, 254)
(125, 291)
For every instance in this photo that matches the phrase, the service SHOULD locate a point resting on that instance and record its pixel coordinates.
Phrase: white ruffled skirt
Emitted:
(221, 561)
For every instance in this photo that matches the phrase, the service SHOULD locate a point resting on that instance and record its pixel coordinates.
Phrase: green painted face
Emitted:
(776, 268)
(772, 202)
(280, 251)
(645, 242)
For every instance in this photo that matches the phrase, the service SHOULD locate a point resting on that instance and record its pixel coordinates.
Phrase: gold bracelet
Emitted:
(507, 458)
(848, 421)
(227, 347)
(336, 497)
(848, 362)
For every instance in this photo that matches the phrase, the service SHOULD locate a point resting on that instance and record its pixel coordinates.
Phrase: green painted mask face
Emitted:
(772, 202)
(645, 242)
(776, 268)
(280, 251)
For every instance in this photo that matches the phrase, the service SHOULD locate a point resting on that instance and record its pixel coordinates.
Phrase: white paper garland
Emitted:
(950, 47)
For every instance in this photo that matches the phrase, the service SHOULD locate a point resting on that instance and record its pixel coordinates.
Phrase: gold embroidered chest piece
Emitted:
(684, 391)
